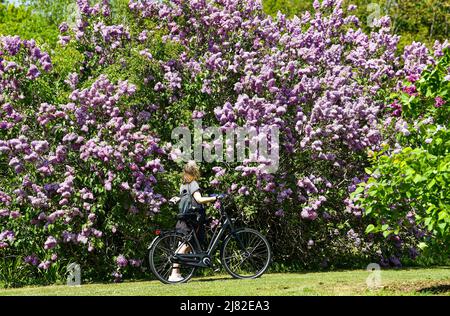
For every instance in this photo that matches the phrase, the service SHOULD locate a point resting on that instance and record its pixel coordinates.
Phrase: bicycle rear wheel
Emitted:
(246, 254)
(161, 254)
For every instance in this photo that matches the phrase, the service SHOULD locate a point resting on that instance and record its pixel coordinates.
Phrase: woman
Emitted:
(191, 174)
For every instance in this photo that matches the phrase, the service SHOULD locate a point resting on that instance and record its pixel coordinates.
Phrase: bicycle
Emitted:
(245, 253)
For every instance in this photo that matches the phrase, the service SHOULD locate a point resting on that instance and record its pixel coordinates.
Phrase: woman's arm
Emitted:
(202, 200)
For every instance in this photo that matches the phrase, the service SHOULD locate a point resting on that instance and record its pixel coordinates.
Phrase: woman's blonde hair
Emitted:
(191, 172)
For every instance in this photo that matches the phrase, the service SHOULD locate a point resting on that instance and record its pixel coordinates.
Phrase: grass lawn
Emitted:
(433, 281)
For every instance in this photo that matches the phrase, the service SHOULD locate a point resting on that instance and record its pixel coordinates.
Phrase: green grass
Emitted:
(433, 281)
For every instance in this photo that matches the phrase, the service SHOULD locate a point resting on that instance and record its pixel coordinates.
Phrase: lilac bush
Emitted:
(85, 156)
(73, 166)
(318, 78)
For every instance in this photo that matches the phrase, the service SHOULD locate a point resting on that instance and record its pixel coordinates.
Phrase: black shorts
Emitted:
(185, 228)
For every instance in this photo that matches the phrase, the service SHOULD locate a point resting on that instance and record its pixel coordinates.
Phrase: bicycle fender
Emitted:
(153, 242)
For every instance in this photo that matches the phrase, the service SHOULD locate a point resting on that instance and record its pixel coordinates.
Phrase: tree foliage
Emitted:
(421, 20)
(410, 185)
(22, 21)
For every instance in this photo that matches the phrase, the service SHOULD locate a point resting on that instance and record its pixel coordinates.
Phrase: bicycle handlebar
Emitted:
(219, 196)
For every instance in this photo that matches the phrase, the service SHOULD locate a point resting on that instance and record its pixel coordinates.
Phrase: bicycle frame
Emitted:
(203, 258)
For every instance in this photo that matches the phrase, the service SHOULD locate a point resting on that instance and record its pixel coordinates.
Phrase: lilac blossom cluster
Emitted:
(288, 73)
(21, 61)
(318, 77)
(64, 159)
(97, 40)
(100, 133)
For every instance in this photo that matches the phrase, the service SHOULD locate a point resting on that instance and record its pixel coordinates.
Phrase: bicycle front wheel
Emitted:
(161, 258)
(246, 254)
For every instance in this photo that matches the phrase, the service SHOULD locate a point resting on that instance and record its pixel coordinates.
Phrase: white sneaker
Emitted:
(176, 278)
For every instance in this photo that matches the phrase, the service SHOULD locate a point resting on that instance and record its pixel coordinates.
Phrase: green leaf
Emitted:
(370, 228)
(419, 178)
(422, 245)
(405, 98)
(359, 189)
(431, 184)
(442, 215)
(442, 227)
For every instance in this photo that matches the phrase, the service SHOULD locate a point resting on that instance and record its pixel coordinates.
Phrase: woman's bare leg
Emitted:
(183, 249)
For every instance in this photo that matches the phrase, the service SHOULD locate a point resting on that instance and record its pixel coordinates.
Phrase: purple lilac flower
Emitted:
(45, 265)
(12, 44)
(439, 102)
(121, 261)
(198, 114)
(135, 262)
(40, 146)
(82, 239)
(410, 90)
(413, 78)
(117, 277)
(32, 259)
(14, 214)
(50, 243)
(33, 72)
(92, 217)
(308, 214)
(143, 36)
(63, 27)
(72, 80)
(7, 235)
(354, 237)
